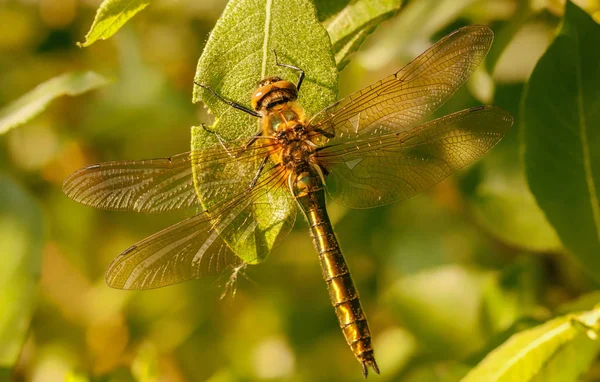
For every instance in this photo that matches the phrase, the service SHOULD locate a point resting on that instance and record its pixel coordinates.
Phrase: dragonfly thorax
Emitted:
(296, 154)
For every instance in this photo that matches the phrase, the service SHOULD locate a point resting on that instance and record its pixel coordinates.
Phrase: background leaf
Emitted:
(411, 31)
(561, 113)
(423, 315)
(502, 203)
(34, 102)
(21, 239)
(110, 17)
(558, 350)
(350, 27)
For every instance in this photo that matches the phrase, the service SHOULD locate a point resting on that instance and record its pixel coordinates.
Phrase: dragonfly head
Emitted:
(273, 91)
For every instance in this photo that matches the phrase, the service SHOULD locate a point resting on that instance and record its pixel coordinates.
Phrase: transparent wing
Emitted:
(198, 246)
(157, 185)
(374, 171)
(405, 98)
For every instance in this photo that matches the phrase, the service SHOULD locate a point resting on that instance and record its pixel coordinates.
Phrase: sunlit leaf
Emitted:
(513, 216)
(239, 53)
(558, 350)
(350, 27)
(34, 102)
(505, 34)
(21, 239)
(562, 140)
(395, 349)
(110, 17)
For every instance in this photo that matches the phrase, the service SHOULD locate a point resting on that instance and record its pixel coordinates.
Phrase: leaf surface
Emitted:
(561, 114)
(558, 350)
(35, 101)
(110, 17)
(350, 27)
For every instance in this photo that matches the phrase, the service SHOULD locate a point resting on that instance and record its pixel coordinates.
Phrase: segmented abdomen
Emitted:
(309, 192)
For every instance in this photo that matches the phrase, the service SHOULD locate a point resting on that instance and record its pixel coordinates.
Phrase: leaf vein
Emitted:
(587, 165)
(267, 31)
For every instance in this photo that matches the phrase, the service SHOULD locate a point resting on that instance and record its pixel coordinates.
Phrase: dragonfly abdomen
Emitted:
(308, 189)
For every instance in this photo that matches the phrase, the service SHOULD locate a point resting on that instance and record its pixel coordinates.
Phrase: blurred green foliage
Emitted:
(21, 236)
(562, 117)
(35, 101)
(445, 277)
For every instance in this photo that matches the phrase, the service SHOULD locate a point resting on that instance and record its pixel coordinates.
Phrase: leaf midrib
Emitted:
(583, 128)
(267, 31)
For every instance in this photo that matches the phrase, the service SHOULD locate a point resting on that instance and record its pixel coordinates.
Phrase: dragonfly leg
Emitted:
(260, 169)
(231, 284)
(219, 138)
(230, 103)
(326, 134)
(254, 138)
(300, 79)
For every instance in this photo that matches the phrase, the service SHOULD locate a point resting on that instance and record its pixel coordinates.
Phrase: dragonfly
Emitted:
(369, 149)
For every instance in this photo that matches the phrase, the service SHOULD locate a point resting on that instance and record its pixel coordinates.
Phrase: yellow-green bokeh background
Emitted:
(439, 275)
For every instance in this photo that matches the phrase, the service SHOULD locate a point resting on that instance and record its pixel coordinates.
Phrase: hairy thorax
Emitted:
(285, 122)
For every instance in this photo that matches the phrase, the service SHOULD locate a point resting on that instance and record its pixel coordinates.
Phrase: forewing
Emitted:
(373, 171)
(197, 246)
(155, 185)
(407, 97)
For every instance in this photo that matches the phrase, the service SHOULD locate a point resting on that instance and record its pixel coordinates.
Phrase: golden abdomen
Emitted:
(308, 189)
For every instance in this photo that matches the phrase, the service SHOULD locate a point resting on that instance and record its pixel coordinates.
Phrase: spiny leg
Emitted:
(326, 134)
(254, 138)
(260, 169)
(236, 106)
(300, 79)
(230, 103)
(221, 141)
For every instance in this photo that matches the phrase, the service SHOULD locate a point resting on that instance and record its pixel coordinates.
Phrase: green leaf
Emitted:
(34, 102)
(238, 54)
(110, 17)
(558, 350)
(561, 113)
(512, 215)
(327, 8)
(350, 27)
(21, 240)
